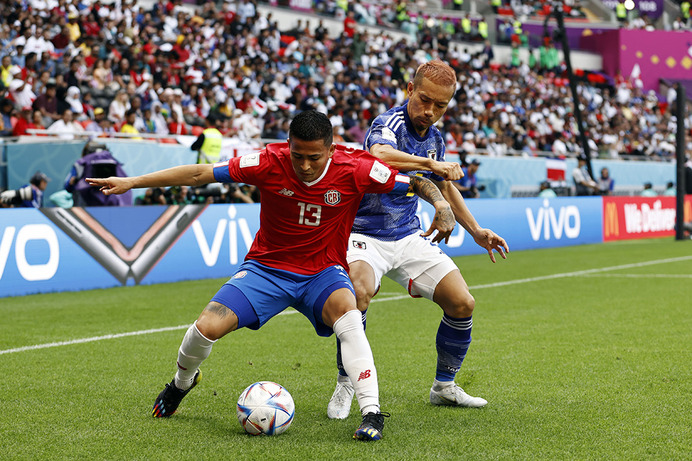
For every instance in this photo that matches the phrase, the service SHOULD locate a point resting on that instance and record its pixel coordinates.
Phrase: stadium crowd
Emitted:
(71, 66)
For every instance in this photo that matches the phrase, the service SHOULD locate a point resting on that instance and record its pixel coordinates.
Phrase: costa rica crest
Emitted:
(332, 197)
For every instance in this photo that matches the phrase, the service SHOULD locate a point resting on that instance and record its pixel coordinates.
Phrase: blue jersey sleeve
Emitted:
(401, 184)
(222, 172)
(379, 134)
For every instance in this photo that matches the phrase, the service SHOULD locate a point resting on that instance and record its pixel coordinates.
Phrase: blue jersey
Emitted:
(388, 216)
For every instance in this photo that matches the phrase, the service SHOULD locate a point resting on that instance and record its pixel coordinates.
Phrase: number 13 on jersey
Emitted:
(310, 214)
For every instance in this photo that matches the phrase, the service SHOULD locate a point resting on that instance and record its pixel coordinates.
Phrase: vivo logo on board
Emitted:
(31, 271)
(552, 223)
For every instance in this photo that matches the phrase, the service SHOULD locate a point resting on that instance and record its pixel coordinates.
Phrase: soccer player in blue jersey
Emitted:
(386, 235)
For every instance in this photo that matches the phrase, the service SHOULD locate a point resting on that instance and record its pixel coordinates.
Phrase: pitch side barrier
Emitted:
(55, 249)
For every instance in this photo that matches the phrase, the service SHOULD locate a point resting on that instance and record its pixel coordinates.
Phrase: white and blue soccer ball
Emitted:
(265, 408)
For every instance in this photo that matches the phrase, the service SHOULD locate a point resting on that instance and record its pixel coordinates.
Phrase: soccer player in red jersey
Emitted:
(310, 190)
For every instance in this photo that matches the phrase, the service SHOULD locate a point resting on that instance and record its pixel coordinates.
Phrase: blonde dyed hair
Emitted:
(437, 72)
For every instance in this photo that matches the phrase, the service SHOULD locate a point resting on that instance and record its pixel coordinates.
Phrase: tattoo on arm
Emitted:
(428, 191)
(425, 189)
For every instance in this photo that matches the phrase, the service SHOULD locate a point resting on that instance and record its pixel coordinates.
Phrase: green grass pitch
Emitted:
(582, 353)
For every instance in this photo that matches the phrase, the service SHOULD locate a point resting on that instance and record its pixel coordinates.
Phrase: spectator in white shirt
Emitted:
(66, 127)
(559, 148)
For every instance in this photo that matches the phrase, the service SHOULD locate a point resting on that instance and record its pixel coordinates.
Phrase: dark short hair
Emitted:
(311, 125)
(38, 177)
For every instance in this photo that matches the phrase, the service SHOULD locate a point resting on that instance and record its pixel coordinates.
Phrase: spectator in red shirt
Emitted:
(176, 126)
(182, 49)
(22, 122)
(62, 40)
(37, 122)
(245, 102)
(91, 26)
(350, 24)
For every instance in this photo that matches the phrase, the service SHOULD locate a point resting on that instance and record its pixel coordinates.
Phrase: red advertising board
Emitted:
(641, 217)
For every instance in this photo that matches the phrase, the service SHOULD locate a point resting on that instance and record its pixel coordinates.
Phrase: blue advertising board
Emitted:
(57, 249)
(528, 223)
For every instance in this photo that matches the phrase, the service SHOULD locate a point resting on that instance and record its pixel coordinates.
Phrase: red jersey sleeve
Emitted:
(250, 169)
(376, 177)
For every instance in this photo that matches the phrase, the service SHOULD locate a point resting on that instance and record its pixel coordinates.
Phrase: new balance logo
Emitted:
(364, 375)
(286, 192)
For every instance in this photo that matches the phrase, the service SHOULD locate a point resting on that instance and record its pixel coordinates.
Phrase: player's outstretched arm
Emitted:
(443, 221)
(403, 161)
(485, 238)
(184, 175)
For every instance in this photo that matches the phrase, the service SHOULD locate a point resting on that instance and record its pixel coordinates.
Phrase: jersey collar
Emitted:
(324, 173)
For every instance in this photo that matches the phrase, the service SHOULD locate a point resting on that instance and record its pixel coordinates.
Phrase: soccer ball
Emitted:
(265, 408)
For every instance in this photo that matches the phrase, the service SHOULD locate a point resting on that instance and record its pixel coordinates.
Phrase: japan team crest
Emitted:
(332, 197)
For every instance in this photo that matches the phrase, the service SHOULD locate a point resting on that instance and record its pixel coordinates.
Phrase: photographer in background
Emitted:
(27, 196)
(467, 184)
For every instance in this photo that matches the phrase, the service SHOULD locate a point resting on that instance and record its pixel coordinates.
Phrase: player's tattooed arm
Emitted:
(443, 221)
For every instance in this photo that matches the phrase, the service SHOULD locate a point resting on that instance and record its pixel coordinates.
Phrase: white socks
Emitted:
(193, 350)
(355, 352)
(357, 359)
(439, 385)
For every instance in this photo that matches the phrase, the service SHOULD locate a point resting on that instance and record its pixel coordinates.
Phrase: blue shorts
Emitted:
(257, 293)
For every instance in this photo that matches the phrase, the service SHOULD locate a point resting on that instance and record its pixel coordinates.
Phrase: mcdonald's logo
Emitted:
(610, 220)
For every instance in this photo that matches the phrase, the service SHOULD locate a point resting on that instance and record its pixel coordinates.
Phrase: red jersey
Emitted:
(304, 227)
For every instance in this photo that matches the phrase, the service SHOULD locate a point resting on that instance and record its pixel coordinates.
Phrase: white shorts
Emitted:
(414, 262)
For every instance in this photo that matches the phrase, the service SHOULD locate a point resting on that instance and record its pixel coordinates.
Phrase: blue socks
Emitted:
(453, 340)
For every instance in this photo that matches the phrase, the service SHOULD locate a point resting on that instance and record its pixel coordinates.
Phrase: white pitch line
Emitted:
(92, 339)
(130, 333)
(584, 272)
(392, 298)
(644, 276)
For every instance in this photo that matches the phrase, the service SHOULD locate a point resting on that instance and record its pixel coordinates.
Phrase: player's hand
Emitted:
(491, 241)
(443, 222)
(451, 171)
(112, 185)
